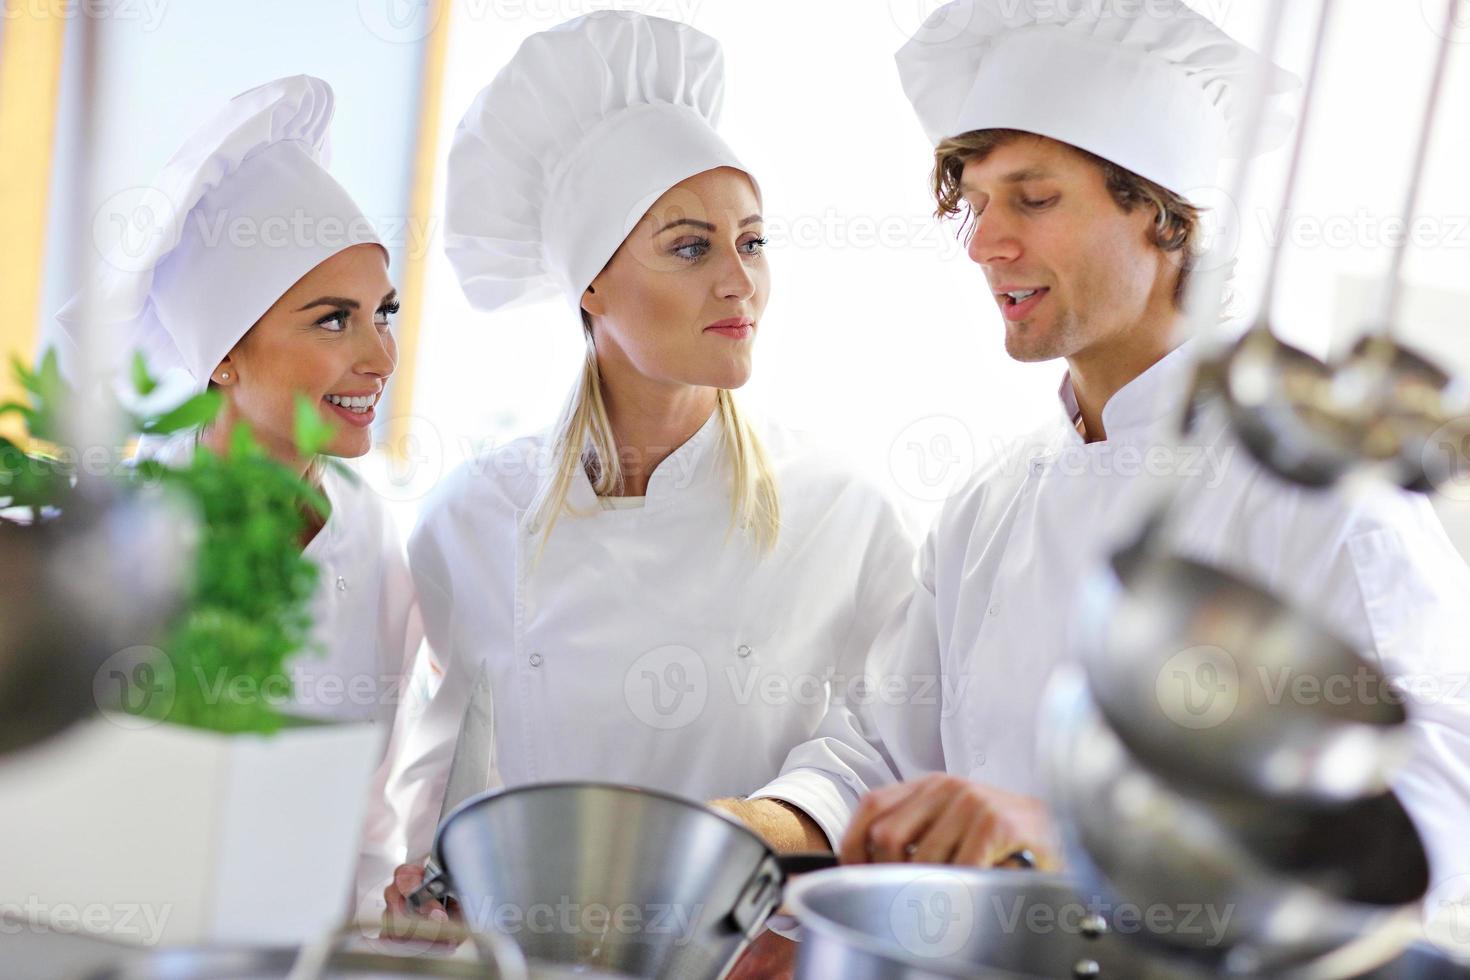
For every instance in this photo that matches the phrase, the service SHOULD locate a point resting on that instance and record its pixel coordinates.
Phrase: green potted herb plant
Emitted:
(193, 798)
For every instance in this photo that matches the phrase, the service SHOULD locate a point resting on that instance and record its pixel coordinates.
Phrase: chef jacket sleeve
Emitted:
(1414, 589)
(885, 728)
(433, 706)
(400, 639)
(383, 837)
(1380, 570)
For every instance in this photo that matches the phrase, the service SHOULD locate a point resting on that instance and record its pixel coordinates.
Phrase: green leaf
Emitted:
(34, 481)
(49, 379)
(313, 433)
(197, 411)
(242, 443)
(143, 382)
(49, 392)
(24, 375)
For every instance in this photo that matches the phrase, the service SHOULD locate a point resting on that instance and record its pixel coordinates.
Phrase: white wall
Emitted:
(879, 333)
(163, 66)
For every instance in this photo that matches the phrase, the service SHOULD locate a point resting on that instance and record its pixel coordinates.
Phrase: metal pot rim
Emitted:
(796, 900)
(586, 784)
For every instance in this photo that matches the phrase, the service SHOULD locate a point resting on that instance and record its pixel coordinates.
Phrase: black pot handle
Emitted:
(801, 862)
(762, 894)
(434, 887)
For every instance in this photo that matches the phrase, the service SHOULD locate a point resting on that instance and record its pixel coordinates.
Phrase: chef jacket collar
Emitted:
(695, 461)
(1142, 408)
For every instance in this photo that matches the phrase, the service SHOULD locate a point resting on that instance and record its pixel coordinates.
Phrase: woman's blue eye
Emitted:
(759, 243)
(693, 250)
(385, 311)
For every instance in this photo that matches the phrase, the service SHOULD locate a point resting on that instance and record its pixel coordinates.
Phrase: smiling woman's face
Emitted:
(681, 300)
(328, 338)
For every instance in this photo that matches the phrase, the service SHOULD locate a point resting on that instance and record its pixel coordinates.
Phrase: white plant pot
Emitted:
(166, 835)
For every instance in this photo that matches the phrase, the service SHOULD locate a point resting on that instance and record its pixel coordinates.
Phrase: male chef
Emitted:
(1072, 143)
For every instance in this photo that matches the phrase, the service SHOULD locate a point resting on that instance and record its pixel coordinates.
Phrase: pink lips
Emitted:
(1016, 312)
(363, 419)
(736, 328)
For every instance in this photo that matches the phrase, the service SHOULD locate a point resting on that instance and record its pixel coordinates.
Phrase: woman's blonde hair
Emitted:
(583, 440)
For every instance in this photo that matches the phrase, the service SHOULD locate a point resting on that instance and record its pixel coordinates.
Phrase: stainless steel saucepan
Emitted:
(927, 922)
(611, 877)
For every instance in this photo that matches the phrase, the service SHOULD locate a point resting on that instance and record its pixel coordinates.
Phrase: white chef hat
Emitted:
(242, 211)
(1153, 87)
(561, 155)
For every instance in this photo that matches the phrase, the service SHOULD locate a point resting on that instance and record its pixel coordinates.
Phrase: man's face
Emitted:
(1044, 222)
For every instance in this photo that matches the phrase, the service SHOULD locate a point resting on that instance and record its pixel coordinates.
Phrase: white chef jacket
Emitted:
(994, 607)
(365, 622)
(647, 644)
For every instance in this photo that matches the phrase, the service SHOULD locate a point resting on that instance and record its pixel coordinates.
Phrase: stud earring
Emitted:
(224, 375)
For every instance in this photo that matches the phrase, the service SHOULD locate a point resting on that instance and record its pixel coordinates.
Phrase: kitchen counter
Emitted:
(31, 952)
(34, 953)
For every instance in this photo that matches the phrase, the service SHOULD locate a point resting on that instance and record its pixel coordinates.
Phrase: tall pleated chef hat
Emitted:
(561, 155)
(242, 211)
(1153, 87)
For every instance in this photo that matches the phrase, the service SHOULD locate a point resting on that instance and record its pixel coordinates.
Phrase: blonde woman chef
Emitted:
(662, 590)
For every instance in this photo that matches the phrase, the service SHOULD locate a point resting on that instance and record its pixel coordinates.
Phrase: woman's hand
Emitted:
(400, 917)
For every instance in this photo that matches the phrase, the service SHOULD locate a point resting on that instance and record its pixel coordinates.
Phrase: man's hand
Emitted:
(942, 819)
(399, 917)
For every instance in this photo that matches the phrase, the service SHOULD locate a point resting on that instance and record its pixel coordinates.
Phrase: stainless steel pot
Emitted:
(1296, 889)
(611, 877)
(925, 922)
